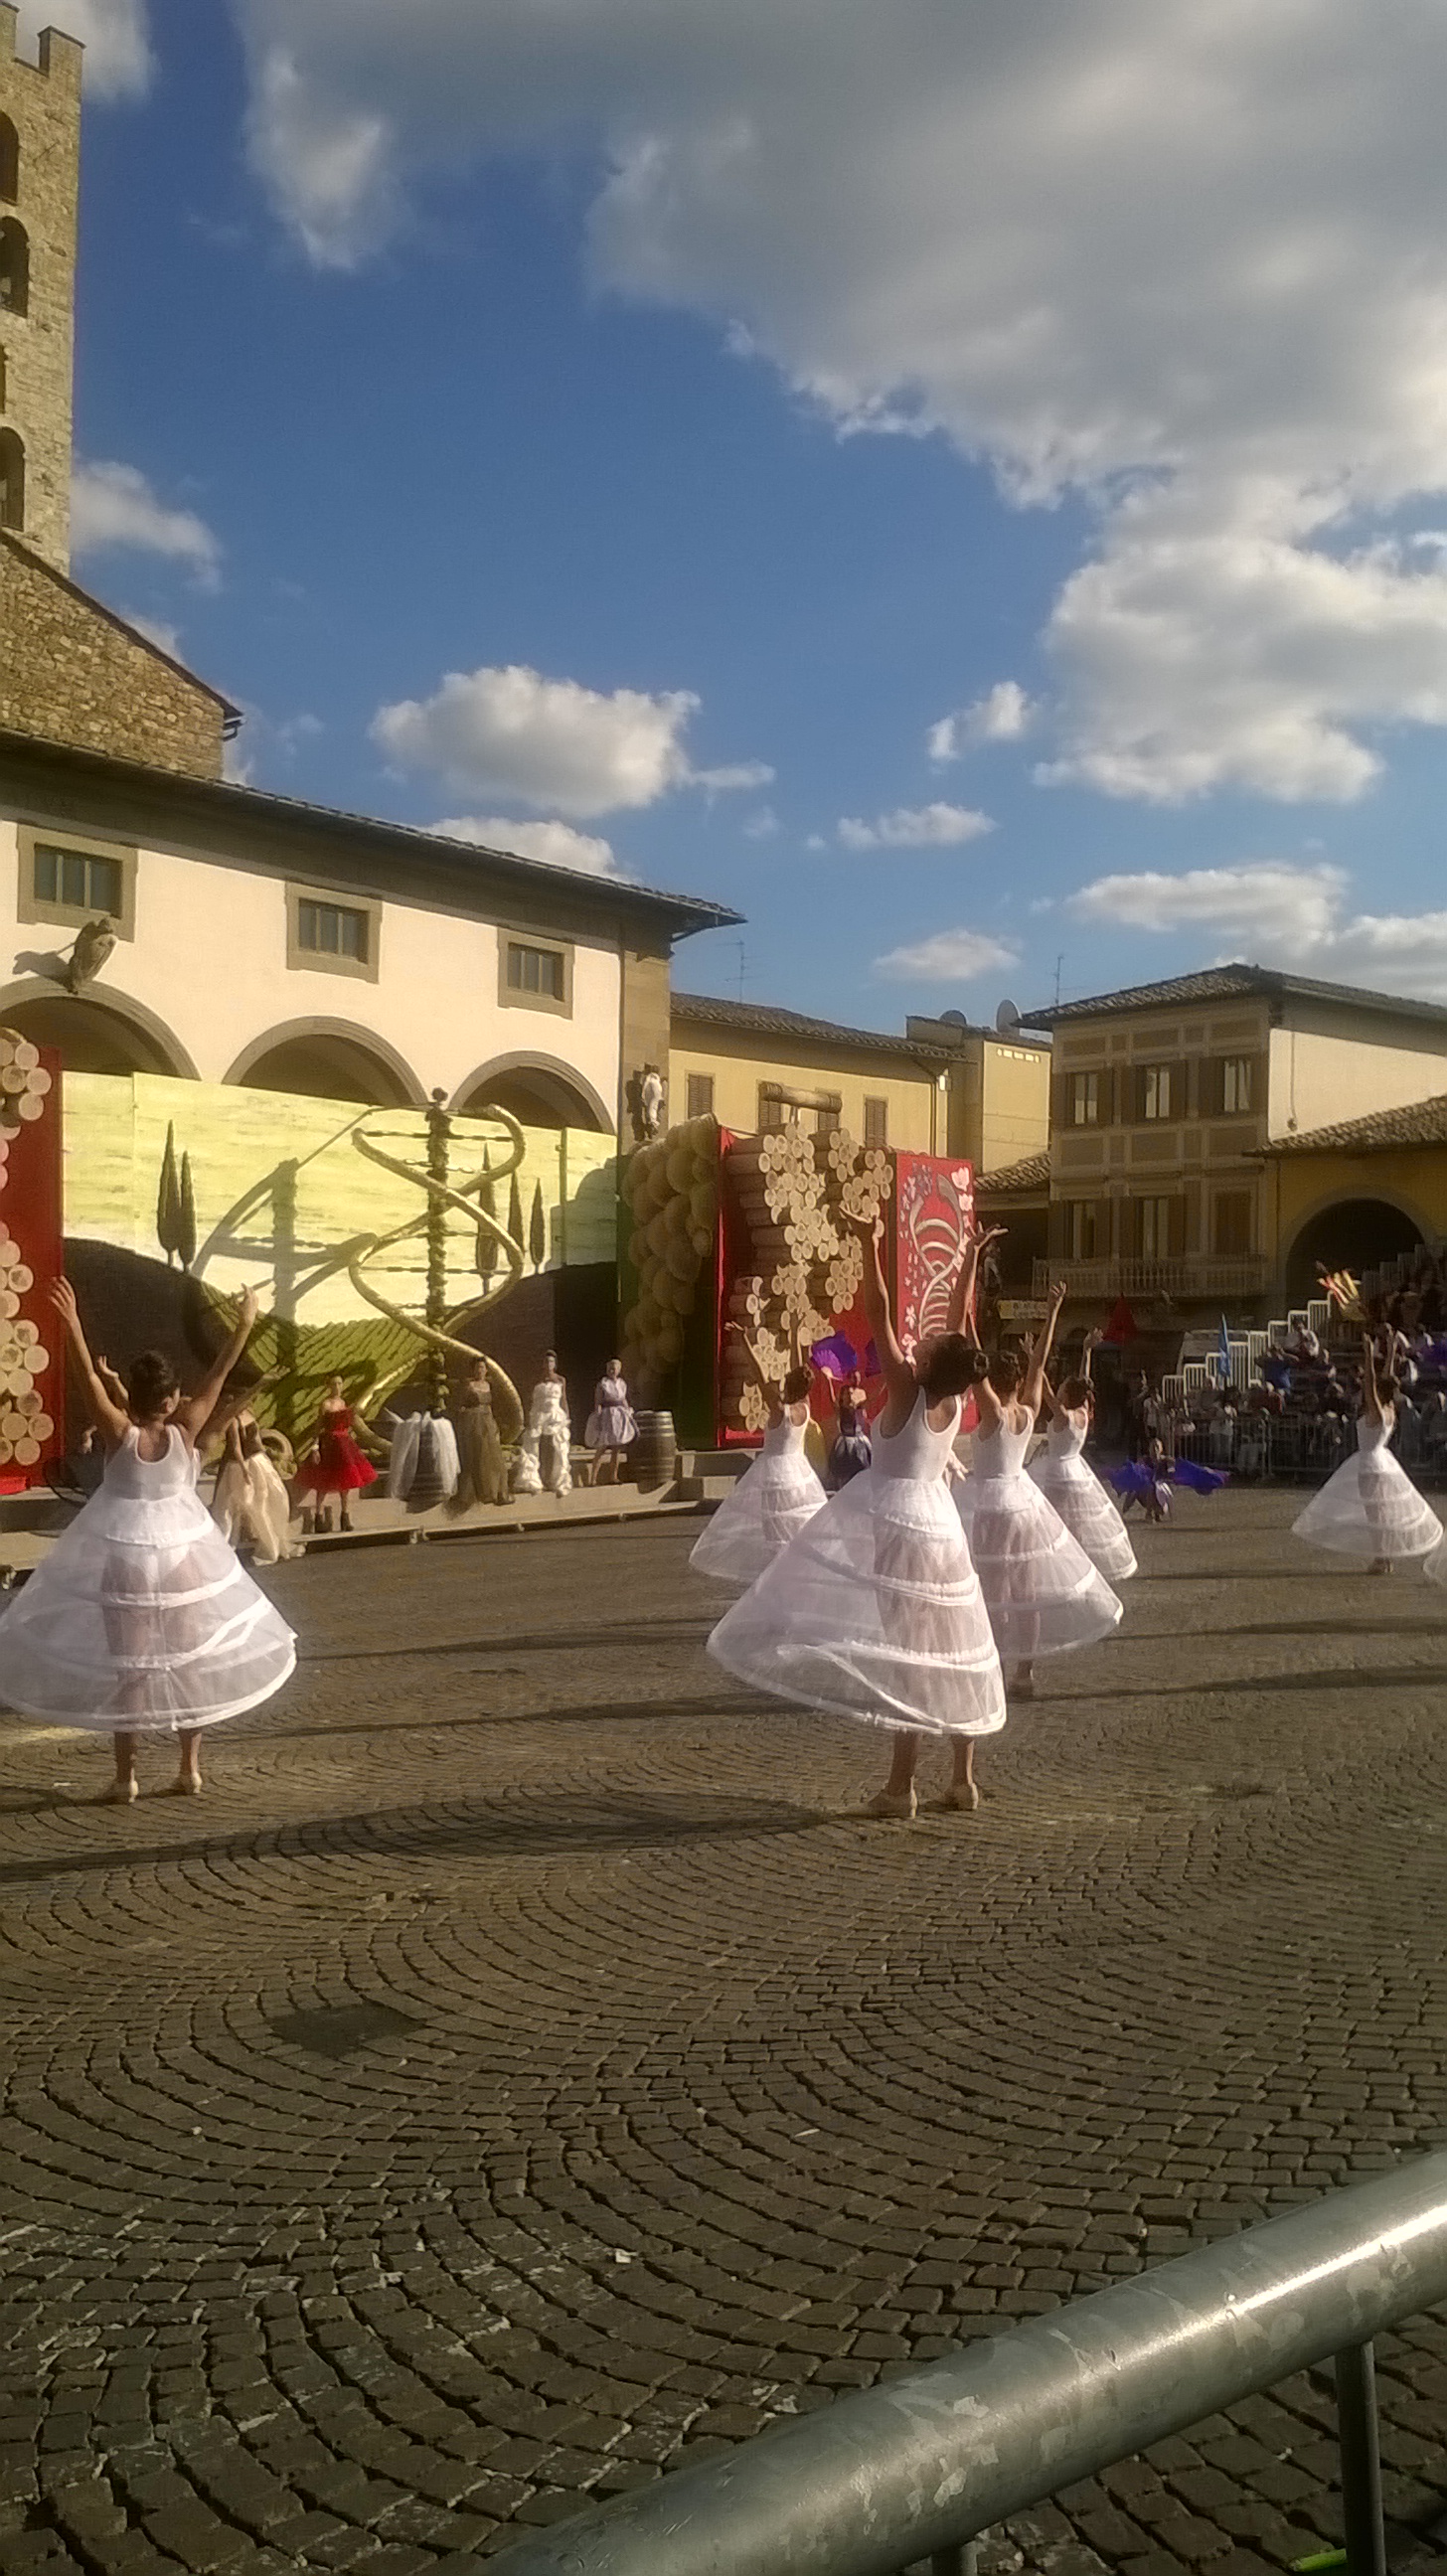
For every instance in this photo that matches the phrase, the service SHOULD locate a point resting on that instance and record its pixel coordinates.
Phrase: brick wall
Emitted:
(70, 672)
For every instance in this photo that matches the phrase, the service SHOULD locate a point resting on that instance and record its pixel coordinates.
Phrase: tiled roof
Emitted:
(1421, 1122)
(763, 1019)
(1231, 983)
(1015, 1178)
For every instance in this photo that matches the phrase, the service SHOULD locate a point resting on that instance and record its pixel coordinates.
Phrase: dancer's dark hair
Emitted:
(1075, 1392)
(797, 1385)
(950, 1365)
(1388, 1388)
(1007, 1372)
(149, 1382)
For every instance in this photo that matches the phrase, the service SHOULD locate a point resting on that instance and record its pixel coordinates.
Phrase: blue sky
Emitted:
(968, 498)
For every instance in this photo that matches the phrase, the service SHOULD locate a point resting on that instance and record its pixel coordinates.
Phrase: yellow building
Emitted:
(941, 1088)
(1169, 1101)
(1356, 1194)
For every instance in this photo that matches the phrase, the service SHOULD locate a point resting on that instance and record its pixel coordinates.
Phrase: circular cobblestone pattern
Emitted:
(518, 2074)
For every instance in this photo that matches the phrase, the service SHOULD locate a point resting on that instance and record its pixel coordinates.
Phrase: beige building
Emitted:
(941, 1088)
(1165, 1100)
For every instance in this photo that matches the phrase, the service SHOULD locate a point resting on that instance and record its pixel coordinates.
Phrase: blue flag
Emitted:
(1224, 1355)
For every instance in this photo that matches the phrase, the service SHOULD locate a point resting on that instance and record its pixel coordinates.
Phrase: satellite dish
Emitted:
(1007, 1019)
(954, 1019)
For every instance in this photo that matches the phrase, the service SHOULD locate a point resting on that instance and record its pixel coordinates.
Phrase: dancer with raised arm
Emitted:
(1042, 1591)
(777, 1496)
(1075, 1490)
(1371, 1508)
(874, 1612)
(141, 1621)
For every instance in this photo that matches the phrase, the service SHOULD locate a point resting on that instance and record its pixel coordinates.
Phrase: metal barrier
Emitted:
(917, 2468)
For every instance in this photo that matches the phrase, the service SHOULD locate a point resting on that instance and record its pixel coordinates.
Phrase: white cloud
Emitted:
(556, 844)
(761, 826)
(1002, 715)
(510, 732)
(918, 827)
(728, 781)
(118, 60)
(1189, 262)
(949, 957)
(114, 505)
(1281, 914)
(156, 631)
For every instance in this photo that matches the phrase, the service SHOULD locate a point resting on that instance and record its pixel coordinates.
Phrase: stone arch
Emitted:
(95, 1031)
(537, 1090)
(1350, 1230)
(9, 162)
(329, 1060)
(12, 478)
(14, 266)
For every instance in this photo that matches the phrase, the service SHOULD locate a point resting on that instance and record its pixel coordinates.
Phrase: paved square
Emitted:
(516, 2072)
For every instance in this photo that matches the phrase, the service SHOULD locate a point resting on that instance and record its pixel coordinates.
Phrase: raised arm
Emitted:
(1371, 1399)
(898, 1376)
(1093, 1340)
(1034, 1386)
(962, 1295)
(196, 1411)
(111, 1419)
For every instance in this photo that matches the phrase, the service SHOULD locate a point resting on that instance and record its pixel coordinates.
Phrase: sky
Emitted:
(963, 483)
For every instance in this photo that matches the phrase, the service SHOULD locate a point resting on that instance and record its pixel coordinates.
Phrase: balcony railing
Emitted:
(1184, 1274)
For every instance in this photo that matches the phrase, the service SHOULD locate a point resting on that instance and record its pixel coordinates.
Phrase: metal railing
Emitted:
(1186, 1274)
(917, 2468)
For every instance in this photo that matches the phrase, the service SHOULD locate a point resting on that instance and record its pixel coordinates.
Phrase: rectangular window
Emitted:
(1231, 1223)
(1156, 1091)
(332, 930)
(876, 1122)
(1236, 1086)
(535, 975)
(74, 881)
(1155, 1227)
(1085, 1100)
(698, 1095)
(771, 1107)
(1084, 1230)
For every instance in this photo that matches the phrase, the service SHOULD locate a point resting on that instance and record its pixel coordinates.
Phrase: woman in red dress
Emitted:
(334, 1464)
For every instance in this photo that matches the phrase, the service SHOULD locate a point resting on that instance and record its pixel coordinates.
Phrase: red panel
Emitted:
(934, 1202)
(30, 1213)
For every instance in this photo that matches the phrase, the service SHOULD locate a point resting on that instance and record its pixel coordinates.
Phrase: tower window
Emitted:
(12, 480)
(9, 162)
(14, 267)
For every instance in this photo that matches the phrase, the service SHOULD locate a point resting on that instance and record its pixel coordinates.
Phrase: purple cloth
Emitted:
(1199, 1480)
(836, 1356)
(1134, 1479)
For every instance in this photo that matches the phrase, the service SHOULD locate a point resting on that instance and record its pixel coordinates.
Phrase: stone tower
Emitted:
(39, 181)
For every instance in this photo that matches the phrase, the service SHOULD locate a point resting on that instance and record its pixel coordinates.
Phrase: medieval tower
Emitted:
(39, 180)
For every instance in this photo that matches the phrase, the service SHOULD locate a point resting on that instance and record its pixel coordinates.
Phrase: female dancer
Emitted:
(334, 1464)
(776, 1497)
(1065, 1480)
(482, 1476)
(612, 1424)
(251, 1502)
(853, 1449)
(874, 1611)
(1370, 1507)
(1041, 1589)
(140, 1620)
(543, 1463)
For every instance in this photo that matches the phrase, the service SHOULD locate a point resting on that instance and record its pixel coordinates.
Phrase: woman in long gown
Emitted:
(1371, 1508)
(250, 1502)
(873, 1611)
(1075, 1490)
(612, 1425)
(776, 1497)
(1042, 1591)
(543, 1463)
(141, 1620)
(482, 1474)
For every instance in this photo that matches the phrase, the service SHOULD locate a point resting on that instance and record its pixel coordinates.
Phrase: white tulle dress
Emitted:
(141, 1619)
(874, 1612)
(1370, 1508)
(1041, 1590)
(543, 1460)
(771, 1503)
(1080, 1498)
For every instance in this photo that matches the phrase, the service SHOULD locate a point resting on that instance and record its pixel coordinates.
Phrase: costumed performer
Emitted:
(1371, 1508)
(251, 1503)
(1060, 1471)
(852, 1449)
(333, 1463)
(873, 1611)
(544, 1454)
(1043, 1594)
(612, 1424)
(775, 1497)
(141, 1620)
(481, 1471)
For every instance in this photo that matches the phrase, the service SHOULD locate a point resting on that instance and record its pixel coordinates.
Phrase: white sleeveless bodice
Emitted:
(1066, 1435)
(134, 1479)
(916, 1453)
(1001, 1452)
(1375, 1435)
(785, 1439)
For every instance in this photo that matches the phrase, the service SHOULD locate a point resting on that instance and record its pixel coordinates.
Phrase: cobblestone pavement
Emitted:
(517, 2073)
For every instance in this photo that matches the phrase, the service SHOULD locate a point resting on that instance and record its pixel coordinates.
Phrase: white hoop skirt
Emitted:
(140, 1619)
(1041, 1590)
(1077, 1494)
(771, 1503)
(1370, 1508)
(873, 1613)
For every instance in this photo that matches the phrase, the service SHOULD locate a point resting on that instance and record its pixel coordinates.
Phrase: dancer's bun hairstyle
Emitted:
(149, 1381)
(1075, 1392)
(951, 1366)
(797, 1385)
(1007, 1372)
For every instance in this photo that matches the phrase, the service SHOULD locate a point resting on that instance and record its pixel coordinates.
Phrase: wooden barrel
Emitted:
(653, 1456)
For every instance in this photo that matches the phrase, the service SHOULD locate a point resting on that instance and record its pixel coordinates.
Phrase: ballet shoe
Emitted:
(119, 1793)
(187, 1784)
(962, 1798)
(891, 1806)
